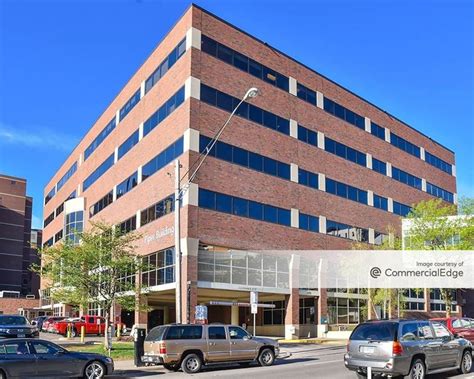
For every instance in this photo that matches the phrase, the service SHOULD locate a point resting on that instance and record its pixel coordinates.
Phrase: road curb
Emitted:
(318, 341)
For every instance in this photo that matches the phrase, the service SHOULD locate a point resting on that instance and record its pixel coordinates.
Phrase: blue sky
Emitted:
(62, 62)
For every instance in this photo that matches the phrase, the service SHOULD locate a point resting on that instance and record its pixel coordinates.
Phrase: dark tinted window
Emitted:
(375, 331)
(156, 334)
(237, 333)
(13, 320)
(409, 331)
(216, 333)
(191, 332)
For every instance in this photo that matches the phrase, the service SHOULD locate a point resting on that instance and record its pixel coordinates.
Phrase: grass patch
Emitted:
(120, 350)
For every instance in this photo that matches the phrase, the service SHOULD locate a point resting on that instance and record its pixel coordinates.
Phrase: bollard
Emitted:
(83, 333)
(68, 332)
(119, 329)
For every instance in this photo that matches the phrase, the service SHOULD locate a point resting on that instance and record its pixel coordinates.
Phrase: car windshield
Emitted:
(375, 331)
(13, 320)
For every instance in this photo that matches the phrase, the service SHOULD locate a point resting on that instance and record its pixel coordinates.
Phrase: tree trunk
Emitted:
(107, 346)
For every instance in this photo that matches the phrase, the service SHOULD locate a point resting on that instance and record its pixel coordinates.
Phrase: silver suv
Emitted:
(189, 347)
(413, 348)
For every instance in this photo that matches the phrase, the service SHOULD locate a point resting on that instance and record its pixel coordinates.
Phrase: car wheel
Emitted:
(191, 364)
(466, 362)
(2, 375)
(417, 370)
(171, 367)
(94, 370)
(73, 333)
(266, 357)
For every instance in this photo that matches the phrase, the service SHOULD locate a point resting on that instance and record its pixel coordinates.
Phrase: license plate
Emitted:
(20, 335)
(367, 349)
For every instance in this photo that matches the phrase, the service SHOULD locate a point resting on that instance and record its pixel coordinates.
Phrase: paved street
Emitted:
(307, 361)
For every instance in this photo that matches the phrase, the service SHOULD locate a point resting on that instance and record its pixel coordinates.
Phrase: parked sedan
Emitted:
(461, 326)
(14, 326)
(27, 358)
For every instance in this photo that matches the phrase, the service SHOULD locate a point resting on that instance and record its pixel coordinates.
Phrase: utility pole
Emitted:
(177, 239)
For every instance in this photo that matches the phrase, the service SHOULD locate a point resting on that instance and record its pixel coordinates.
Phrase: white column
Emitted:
(193, 38)
(140, 131)
(191, 195)
(371, 236)
(389, 169)
(293, 128)
(322, 224)
(370, 198)
(139, 174)
(455, 198)
(295, 218)
(192, 88)
(234, 315)
(369, 161)
(387, 135)
(321, 143)
(293, 86)
(78, 191)
(115, 155)
(319, 100)
(79, 160)
(142, 89)
(117, 117)
(114, 193)
(322, 182)
(390, 204)
(454, 170)
(423, 184)
(294, 172)
(191, 140)
(368, 125)
(139, 218)
(422, 153)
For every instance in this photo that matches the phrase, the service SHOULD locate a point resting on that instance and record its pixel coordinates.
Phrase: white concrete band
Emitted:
(423, 184)
(293, 86)
(454, 170)
(140, 131)
(322, 224)
(115, 155)
(138, 218)
(368, 125)
(371, 236)
(422, 153)
(369, 161)
(370, 198)
(114, 193)
(294, 172)
(293, 128)
(319, 100)
(191, 140)
(191, 195)
(389, 169)
(390, 204)
(139, 174)
(189, 246)
(321, 141)
(322, 182)
(142, 89)
(192, 88)
(295, 218)
(387, 135)
(193, 38)
(117, 117)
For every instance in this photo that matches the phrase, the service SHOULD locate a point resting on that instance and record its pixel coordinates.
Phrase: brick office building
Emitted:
(307, 164)
(18, 241)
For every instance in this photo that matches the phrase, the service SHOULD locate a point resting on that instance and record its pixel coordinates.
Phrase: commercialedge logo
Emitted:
(376, 272)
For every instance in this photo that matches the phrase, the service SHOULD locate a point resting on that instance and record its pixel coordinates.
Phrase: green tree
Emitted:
(438, 226)
(101, 268)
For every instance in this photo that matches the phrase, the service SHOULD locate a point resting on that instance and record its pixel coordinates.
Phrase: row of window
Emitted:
(164, 111)
(380, 202)
(307, 135)
(353, 233)
(48, 220)
(377, 131)
(160, 209)
(406, 178)
(343, 113)
(129, 105)
(50, 195)
(345, 152)
(128, 144)
(128, 225)
(100, 138)
(67, 176)
(401, 209)
(98, 172)
(308, 179)
(244, 63)
(58, 210)
(404, 145)
(162, 159)
(228, 103)
(246, 158)
(439, 192)
(164, 66)
(438, 163)
(308, 222)
(346, 191)
(306, 94)
(243, 207)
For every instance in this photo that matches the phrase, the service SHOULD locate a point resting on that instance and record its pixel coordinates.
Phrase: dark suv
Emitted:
(406, 347)
(16, 326)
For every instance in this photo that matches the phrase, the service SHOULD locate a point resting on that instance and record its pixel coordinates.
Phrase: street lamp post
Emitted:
(179, 191)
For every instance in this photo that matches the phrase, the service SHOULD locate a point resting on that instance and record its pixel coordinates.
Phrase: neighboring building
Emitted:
(17, 240)
(305, 165)
(429, 302)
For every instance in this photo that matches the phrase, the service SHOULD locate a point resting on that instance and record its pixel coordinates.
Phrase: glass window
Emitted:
(237, 333)
(255, 210)
(207, 199)
(100, 138)
(284, 217)
(380, 331)
(216, 333)
(129, 143)
(182, 332)
(240, 207)
(409, 331)
(440, 330)
(223, 203)
(270, 214)
(129, 105)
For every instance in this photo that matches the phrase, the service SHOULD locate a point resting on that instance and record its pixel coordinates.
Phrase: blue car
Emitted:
(32, 357)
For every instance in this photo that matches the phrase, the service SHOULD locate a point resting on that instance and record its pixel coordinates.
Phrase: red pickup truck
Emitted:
(92, 325)
(461, 326)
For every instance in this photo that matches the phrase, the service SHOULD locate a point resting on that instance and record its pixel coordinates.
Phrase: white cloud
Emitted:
(41, 138)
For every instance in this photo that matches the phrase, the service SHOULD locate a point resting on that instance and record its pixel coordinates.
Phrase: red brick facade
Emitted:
(219, 229)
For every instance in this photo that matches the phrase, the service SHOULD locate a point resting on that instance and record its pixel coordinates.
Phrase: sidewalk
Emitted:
(320, 341)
